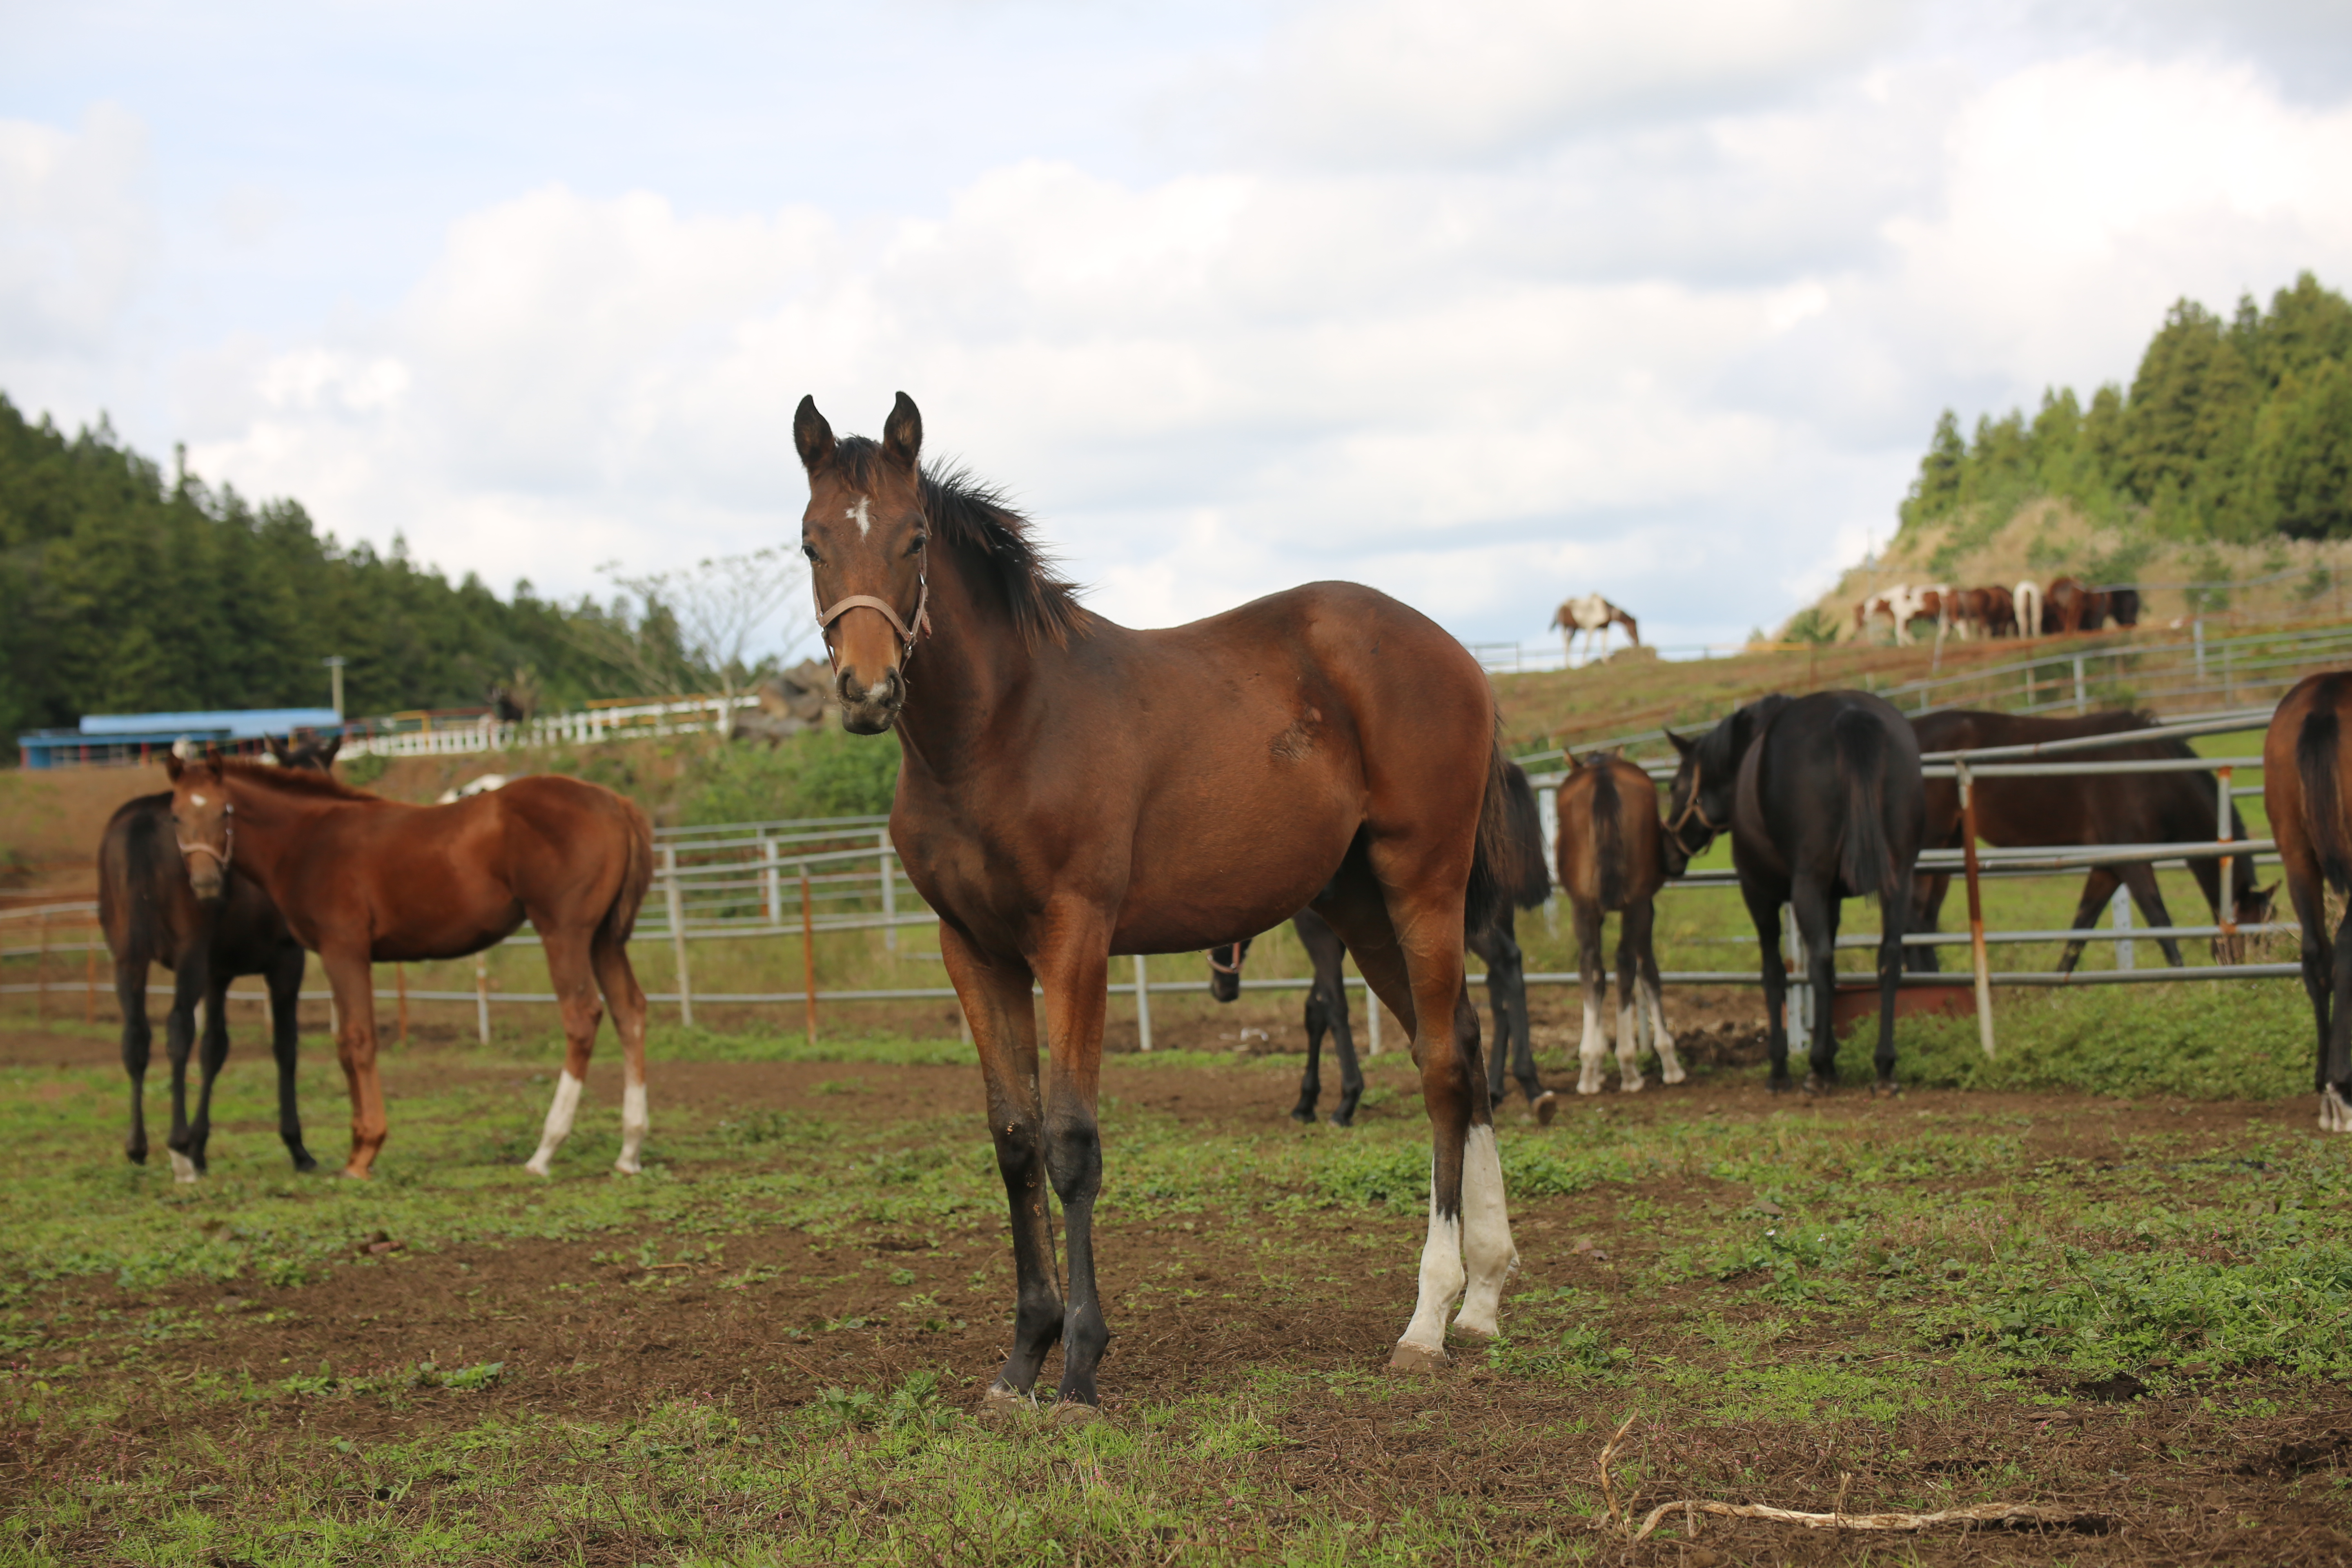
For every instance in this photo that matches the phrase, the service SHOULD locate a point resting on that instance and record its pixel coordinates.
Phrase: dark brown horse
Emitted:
(150, 915)
(2069, 606)
(1822, 796)
(1612, 861)
(1497, 943)
(360, 879)
(2307, 760)
(2118, 808)
(1073, 789)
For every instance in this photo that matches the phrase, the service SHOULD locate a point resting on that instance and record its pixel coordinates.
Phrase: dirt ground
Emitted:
(2169, 1479)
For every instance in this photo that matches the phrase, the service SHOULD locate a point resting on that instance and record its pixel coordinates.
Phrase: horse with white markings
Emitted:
(1612, 861)
(1593, 615)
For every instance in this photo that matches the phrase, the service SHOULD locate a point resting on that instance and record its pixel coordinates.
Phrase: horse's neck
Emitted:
(961, 677)
(270, 821)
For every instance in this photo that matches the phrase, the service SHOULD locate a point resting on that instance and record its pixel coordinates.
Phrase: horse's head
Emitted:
(1225, 969)
(1699, 805)
(865, 534)
(305, 749)
(203, 820)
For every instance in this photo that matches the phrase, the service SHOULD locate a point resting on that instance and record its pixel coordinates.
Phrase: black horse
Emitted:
(1823, 800)
(1497, 942)
(152, 915)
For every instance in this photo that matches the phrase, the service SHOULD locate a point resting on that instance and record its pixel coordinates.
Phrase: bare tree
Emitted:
(720, 625)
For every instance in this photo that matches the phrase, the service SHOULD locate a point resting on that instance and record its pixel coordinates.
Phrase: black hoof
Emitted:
(305, 1163)
(1815, 1084)
(137, 1156)
(1343, 1118)
(1304, 1114)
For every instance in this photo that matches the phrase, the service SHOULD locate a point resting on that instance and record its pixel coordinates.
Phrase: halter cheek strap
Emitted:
(1693, 808)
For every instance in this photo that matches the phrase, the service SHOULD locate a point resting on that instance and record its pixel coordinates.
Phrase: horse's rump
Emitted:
(2318, 751)
(1865, 856)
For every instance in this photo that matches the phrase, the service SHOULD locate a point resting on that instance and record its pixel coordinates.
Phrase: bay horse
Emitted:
(2306, 756)
(2082, 809)
(1073, 789)
(1822, 797)
(2068, 606)
(1612, 859)
(1593, 615)
(360, 879)
(1497, 943)
(152, 915)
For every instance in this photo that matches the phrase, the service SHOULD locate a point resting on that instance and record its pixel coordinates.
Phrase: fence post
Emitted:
(2227, 948)
(90, 977)
(1372, 1006)
(2120, 908)
(1797, 1025)
(677, 906)
(41, 975)
(2197, 635)
(399, 986)
(482, 997)
(1142, 1005)
(890, 897)
(776, 880)
(1977, 954)
(808, 954)
(2082, 698)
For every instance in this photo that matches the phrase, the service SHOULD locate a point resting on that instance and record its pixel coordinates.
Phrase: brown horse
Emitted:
(2306, 757)
(1073, 789)
(150, 915)
(1612, 859)
(2121, 808)
(2069, 606)
(361, 879)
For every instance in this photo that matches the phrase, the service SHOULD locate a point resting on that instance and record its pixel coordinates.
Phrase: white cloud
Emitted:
(78, 241)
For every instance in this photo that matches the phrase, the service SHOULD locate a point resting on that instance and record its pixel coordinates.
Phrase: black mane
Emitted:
(974, 516)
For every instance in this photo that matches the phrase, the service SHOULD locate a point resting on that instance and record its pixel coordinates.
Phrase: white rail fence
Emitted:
(801, 879)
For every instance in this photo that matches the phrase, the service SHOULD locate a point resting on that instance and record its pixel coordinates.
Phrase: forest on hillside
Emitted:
(2232, 430)
(124, 590)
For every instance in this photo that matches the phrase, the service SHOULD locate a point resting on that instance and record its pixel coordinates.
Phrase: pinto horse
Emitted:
(2123, 808)
(361, 879)
(1073, 789)
(150, 915)
(1612, 859)
(2306, 758)
(1593, 615)
(1497, 942)
(1822, 797)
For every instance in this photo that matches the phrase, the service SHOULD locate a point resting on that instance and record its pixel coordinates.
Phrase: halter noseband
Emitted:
(227, 851)
(908, 630)
(1241, 952)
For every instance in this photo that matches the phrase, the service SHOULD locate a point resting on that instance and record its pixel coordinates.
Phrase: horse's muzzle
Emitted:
(870, 709)
(207, 881)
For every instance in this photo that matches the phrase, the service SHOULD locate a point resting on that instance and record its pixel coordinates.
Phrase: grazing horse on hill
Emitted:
(363, 879)
(2027, 597)
(1593, 616)
(1612, 859)
(2307, 760)
(2082, 809)
(1073, 789)
(2069, 607)
(150, 915)
(1822, 797)
(1498, 944)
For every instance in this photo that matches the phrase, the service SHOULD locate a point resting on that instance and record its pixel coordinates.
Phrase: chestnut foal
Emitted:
(360, 879)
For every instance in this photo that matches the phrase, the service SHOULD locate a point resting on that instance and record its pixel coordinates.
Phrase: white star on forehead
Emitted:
(860, 515)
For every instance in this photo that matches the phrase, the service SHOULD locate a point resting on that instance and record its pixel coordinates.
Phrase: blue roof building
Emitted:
(134, 737)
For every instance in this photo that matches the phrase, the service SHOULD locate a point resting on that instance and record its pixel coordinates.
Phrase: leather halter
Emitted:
(227, 851)
(1692, 807)
(908, 630)
(1241, 952)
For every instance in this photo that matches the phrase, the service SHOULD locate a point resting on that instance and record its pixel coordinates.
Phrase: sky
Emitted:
(1484, 302)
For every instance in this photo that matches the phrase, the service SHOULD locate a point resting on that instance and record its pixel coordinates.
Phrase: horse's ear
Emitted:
(811, 437)
(174, 766)
(212, 756)
(902, 433)
(278, 750)
(326, 752)
(1685, 747)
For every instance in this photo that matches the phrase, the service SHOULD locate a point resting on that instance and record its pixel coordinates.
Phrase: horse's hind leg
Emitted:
(209, 1061)
(138, 1044)
(2335, 1090)
(570, 967)
(1629, 1005)
(627, 998)
(2097, 888)
(1591, 1051)
(1310, 1081)
(1329, 955)
(995, 995)
(1642, 916)
(1817, 926)
(285, 979)
(2150, 897)
(1764, 909)
(1506, 997)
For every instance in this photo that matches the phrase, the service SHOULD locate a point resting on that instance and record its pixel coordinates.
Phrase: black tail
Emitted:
(1530, 873)
(1608, 828)
(1866, 858)
(1491, 861)
(2315, 748)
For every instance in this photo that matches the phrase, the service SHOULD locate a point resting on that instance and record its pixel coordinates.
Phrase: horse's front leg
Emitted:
(138, 1043)
(352, 977)
(994, 995)
(1318, 1016)
(2098, 887)
(191, 977)
(1074, 973)
(211, 1058)
(285, 1044)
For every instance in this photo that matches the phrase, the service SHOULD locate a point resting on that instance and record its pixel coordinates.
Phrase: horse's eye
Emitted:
(917, 548)
(810, 551)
